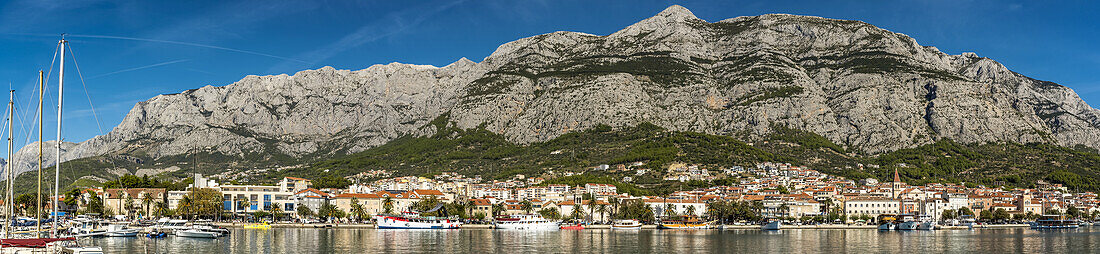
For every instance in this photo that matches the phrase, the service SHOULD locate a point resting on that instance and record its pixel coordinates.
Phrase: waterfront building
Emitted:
(871, 206)
(116, 200)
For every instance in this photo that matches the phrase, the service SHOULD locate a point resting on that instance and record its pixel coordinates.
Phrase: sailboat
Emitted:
(53, 243)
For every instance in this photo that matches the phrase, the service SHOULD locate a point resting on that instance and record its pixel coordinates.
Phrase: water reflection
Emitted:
(311, 240)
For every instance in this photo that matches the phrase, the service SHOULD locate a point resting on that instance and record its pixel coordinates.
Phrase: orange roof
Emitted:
(358, 195)
(428, 192)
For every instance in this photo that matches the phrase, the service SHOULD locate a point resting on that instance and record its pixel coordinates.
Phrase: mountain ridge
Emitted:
(868, 89)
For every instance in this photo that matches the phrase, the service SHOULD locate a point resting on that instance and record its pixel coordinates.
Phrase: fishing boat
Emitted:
(526, 222)
(626, 224)
(772, 224)
(578, 226)
(121, 230)
(1054, 222)
(683, 222)
(926, 223)
(887, 223)
(413, 220)
(968, 221)
(262, 225)
(907, 223)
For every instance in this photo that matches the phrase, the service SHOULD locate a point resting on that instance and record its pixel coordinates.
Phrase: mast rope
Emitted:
(86, 94)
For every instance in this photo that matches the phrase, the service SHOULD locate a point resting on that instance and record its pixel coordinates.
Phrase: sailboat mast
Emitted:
(11, 199)
(60, 93)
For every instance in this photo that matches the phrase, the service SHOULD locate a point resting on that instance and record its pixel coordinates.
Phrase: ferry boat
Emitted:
(526, 222)
(170, 226)
(683, 222)
(1054, 222)
(773, 224)
(626, 224)
(411, 220)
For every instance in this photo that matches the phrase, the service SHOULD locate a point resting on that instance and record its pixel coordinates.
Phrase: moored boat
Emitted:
(121, 230)
(683, 222)
(626, 224)
(577, 226)
(263, 225)
(526, 222)
(197, 233)
(772, 225)
(410, 220)
(1054, 222)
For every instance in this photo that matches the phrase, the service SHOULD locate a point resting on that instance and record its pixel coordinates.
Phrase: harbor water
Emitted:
(346, 240)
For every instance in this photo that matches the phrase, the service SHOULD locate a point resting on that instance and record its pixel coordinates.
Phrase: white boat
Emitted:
(526, 222)
(211, 228)
(411, 220)
(170, 226)
(121, 230)
(197, 233)
(927, 225)
(626, 224)
(772, 225)
(886, 226)
(86, 227)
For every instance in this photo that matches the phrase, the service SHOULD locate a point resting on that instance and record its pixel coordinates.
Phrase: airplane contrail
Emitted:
(184, 43)
(139, 68)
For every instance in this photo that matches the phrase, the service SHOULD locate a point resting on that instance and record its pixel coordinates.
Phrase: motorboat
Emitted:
(411, 220)
(170, 226)
(211, 228)
(526, 222)
(121, 230)
(577, 226)
(626, 224)
(197, 233)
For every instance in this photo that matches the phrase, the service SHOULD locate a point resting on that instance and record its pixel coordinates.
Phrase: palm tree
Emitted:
(615, 202)
(784, 209)
(526, 206)
(387, 205)
(146, 200)
(690, 210)
(276, 212)
(602, 210)
(591, 202)
(184, 207)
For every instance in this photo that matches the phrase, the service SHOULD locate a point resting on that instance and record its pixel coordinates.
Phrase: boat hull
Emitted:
(774, 225)
(926, 226)
(528, 226)
(908, 226)
(682, 226)
(392, 222)
(886, 227)
(197, 234)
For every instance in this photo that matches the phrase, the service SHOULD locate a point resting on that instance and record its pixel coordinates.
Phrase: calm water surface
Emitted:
(310, 240)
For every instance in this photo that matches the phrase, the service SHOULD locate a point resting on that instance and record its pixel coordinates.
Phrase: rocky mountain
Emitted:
(860, 86)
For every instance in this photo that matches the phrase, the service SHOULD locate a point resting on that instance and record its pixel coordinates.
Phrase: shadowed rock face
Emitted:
(856, 84)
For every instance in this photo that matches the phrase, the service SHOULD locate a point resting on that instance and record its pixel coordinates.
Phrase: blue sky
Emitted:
(130, 51)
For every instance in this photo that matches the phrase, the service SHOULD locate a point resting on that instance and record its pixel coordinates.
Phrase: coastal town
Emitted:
(761, 192)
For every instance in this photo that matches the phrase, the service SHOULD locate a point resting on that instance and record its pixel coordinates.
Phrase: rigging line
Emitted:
(187, 44)
(94, 114)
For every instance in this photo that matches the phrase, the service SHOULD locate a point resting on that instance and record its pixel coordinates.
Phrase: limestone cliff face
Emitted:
(851, 82)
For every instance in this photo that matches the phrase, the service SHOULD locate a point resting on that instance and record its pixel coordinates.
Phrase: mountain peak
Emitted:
(677, 13)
